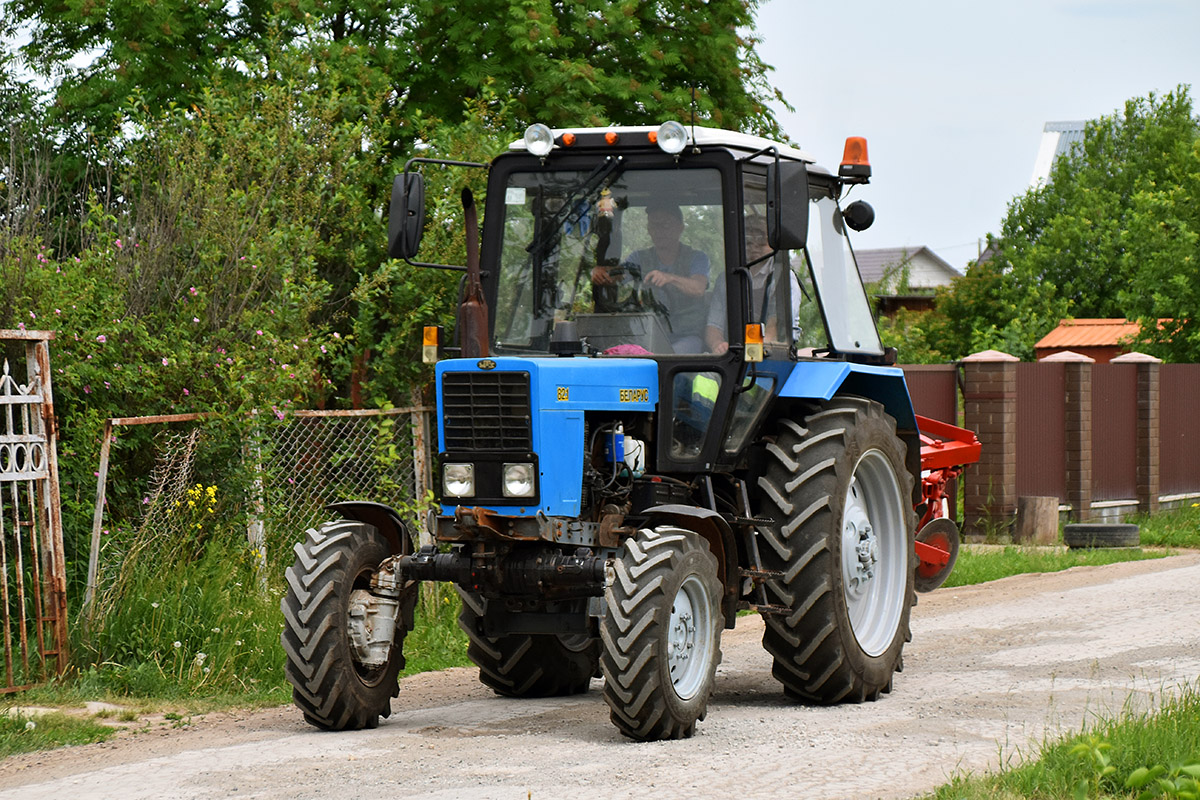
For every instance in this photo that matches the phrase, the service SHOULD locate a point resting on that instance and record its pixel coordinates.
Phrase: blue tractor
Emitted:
(667, 402)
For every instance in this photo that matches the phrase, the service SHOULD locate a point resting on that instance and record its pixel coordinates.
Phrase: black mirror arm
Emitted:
(429, 265)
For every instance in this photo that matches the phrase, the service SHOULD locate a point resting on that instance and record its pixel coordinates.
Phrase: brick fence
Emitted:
(1106, 440)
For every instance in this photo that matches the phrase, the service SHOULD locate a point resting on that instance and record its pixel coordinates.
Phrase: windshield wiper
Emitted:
(572, 210)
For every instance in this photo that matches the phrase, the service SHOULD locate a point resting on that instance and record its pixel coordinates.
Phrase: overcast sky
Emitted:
(952, 96)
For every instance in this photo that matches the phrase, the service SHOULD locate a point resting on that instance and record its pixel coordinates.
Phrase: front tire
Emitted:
(661, 634)
(527, 665)
(333, 569)
(840, 495)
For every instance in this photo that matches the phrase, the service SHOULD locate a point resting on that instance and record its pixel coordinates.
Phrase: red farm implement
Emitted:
(946, 450)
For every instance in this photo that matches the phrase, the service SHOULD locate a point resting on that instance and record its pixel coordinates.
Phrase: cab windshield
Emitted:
(629, 256)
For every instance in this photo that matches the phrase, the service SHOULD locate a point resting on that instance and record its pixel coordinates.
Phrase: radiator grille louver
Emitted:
(487, 411)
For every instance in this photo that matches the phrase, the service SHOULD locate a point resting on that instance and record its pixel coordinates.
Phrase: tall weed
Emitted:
(194, 620)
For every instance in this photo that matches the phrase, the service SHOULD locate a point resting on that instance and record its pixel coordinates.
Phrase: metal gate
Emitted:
(33, 597)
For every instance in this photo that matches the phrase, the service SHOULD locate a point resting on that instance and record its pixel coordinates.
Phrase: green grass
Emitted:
(1178, 528)
(25, 734)
(1129, 741)
(980, 565)
(435, 642)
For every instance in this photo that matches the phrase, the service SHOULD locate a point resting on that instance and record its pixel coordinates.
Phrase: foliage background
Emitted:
(1114, 233)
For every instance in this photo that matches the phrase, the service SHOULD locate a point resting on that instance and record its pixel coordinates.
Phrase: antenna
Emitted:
(694, 119)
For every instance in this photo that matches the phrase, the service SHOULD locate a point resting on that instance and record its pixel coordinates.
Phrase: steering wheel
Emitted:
(639, 296)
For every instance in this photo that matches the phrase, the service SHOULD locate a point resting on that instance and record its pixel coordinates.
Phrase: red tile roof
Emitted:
(1089, 333)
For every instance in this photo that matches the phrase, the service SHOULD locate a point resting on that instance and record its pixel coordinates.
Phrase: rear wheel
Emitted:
(527, 665)
(661, 634)
(840, 495)
(338, 680)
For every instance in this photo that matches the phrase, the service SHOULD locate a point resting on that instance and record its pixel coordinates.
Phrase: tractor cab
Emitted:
(719, 255)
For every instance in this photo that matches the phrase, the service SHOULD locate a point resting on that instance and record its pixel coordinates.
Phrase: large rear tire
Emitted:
(661, 634)
(330, 684)
(527, 665)
(840, 495)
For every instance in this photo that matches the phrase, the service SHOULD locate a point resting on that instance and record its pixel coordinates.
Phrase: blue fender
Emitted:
(821, 380)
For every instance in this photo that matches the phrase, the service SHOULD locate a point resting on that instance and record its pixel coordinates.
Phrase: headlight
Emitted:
(458, 480)
(672, 137)
(539, 140)
(518, 480)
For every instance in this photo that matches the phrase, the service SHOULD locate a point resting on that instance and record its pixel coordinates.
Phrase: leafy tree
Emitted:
(1113, 233)
(418, 73)
(594, 61)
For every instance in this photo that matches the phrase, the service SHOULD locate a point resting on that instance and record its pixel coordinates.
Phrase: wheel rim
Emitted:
(874, 553)
(367, 675)
(689, 642)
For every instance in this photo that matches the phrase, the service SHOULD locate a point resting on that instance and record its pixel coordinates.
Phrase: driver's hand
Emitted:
(720, 348)
(656, 277)
(600, 275)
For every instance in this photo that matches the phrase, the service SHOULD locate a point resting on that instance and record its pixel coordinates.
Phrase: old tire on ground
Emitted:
(527, 665)
(662, 634)
(334, 689)
(1096, 534)
(840, 494)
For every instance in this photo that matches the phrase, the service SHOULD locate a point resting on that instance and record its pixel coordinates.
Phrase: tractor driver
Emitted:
(677, 275)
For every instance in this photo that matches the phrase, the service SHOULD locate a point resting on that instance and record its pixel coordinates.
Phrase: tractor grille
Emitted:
(486, 411)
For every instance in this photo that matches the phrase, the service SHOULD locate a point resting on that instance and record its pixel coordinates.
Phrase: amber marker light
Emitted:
(754, 342)
(653, 137)
(431, 339)
(611, 137)
(568, 139)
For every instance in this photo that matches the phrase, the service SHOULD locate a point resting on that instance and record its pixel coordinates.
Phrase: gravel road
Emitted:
(991, 670)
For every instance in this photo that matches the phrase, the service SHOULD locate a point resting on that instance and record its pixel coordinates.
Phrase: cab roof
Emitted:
(697, 136)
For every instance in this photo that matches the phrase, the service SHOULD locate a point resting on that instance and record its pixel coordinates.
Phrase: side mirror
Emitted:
(406, 218)
(858, 216)
(787, 205)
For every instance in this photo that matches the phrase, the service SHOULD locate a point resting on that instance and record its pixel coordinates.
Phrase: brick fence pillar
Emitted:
(990, 410)
(1148, 370)
(1077, 432)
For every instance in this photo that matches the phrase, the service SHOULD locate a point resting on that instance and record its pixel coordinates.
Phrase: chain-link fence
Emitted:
(311, 458)
(271, 476)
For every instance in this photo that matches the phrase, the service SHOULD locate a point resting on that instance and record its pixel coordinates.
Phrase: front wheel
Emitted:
(527, 664)
(661, 634)
(837, 487)
(342, 677)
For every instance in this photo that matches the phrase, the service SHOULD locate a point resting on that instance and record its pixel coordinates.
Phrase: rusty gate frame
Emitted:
(29, 477)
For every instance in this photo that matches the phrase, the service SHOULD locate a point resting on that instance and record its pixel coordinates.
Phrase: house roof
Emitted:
(873, 264)
(1089, 333)
(1057, 138)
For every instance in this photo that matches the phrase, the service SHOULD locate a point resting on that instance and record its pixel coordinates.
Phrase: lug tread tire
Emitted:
(816, 656)
(326, 686)
(642, 584)
(525, 665)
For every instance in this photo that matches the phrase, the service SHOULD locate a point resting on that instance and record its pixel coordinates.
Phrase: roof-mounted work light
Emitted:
(539, 140)
(672, 137)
